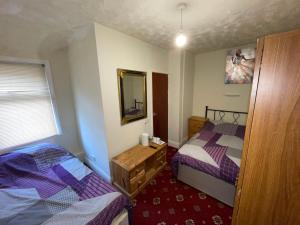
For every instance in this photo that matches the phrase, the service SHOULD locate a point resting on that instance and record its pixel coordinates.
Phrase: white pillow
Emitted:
(197, 152)
(235, 155)
(231, 141)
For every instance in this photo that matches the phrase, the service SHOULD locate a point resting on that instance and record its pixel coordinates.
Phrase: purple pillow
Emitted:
(209, 126)
(206, 135)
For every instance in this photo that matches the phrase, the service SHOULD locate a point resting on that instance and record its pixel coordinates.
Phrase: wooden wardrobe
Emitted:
(268, 191)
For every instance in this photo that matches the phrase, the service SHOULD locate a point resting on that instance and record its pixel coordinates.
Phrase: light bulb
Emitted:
(181, 40)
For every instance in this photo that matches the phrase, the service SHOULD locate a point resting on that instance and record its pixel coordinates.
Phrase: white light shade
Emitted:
(181, 40)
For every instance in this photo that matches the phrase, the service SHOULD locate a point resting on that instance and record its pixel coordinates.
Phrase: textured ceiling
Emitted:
(31, 25)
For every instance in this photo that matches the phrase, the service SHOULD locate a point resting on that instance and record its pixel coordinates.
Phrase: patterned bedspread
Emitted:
(45, 184)
(220, 146)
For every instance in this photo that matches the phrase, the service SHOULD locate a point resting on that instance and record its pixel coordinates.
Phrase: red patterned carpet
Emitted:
(166, 201)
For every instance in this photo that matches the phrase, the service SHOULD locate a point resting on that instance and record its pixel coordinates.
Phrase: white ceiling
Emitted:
(213, 24)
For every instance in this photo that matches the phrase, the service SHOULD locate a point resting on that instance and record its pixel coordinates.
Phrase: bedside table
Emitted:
(195, 124)
(134, 168)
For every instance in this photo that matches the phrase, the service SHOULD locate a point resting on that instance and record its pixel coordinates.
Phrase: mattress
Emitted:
(45, 184)
(215, 150)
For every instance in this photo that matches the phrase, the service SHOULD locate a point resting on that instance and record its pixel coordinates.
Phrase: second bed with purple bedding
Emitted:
(46, 184)
(216, 150)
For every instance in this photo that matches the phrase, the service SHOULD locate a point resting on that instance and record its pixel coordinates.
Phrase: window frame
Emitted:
(49, 79)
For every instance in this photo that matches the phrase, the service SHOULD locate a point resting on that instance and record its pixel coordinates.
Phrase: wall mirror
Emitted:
(132, 95)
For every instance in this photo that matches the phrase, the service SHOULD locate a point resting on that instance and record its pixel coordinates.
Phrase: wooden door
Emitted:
(160, 105)
(269, 182)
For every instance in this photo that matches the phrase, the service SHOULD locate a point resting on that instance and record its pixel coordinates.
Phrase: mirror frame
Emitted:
(121, 73)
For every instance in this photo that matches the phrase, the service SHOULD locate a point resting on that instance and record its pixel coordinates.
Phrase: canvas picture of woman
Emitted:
(240, 66)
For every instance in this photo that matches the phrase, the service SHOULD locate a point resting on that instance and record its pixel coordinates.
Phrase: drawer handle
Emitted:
(123, 181)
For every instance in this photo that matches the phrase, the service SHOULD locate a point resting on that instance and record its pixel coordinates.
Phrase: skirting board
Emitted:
(173, 144)
(176, 144)
(100, 172)
(208, 184)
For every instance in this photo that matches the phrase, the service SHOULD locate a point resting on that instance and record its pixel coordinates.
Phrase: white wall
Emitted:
(88, 101)
(174, 97)
(117, 50)
(209, 87)
(181, 73)
(187, 92)
(64, 99)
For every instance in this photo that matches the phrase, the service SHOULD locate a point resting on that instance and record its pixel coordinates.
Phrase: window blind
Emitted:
(26, 110)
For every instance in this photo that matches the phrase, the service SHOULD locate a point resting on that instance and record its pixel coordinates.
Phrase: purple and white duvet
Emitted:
(216, 150)
(45, 184)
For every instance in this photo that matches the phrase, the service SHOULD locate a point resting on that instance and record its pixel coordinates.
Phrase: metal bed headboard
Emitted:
(221, 113)
(137, 104)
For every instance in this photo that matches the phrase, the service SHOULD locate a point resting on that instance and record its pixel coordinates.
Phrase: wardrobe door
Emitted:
(269, 189)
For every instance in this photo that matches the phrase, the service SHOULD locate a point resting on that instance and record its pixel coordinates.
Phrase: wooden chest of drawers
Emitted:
(195, 124)
(134, 168)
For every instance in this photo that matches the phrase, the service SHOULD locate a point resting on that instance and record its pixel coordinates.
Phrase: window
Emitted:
(26, 104)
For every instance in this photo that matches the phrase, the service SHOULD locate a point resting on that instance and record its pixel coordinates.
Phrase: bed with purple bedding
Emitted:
(215, 150)
(45, 184)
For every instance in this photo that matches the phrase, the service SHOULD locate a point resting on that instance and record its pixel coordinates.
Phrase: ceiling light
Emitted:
(181, 38)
